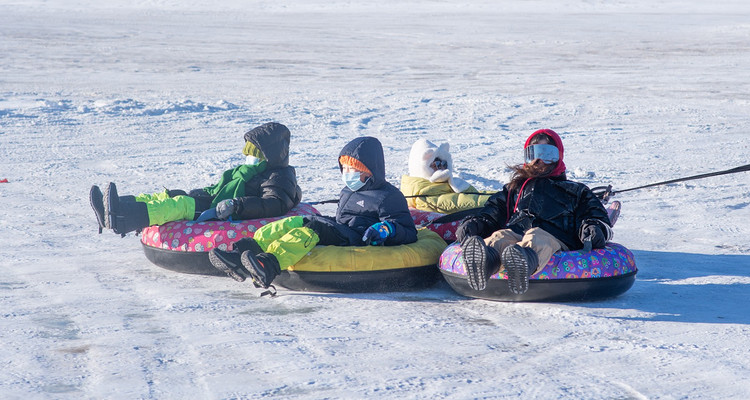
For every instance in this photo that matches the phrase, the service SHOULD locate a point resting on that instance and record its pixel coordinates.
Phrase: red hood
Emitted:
(560, 168)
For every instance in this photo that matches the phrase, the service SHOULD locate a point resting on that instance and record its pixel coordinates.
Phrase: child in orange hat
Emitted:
(370, 211)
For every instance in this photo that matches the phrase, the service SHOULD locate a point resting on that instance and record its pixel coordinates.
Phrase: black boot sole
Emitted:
(517, 268)
(475, 261)
(225, 266)
(253, 266)
(108, 204)
(96, 199)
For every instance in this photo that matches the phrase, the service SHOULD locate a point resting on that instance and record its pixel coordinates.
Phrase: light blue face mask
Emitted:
(252, 160)
(352, 180)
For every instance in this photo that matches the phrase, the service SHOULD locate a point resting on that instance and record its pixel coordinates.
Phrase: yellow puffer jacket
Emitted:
(439, 197)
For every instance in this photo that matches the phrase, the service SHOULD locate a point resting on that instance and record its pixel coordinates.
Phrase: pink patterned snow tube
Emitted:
(191, 236)
(447, 231)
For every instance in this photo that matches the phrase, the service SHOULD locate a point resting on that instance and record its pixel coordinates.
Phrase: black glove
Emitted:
(470, 227)
(594, 234)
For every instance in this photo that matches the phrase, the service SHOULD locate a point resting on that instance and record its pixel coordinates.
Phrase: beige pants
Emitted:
(543, 243)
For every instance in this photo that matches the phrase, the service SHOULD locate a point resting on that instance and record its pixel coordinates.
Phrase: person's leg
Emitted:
(525, 258)
(501, 239)
(163, 210)
(543, 243)
(123, 215)
(269, 233)
(279, 255)
(230, 262)
(332, 233)
(293, 246)
(146, 197)
(202, 200)
(482, 257)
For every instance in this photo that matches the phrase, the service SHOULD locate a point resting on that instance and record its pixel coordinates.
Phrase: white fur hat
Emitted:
(423, 153)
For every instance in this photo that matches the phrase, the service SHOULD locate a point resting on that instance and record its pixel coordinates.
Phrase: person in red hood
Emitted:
(538, 213)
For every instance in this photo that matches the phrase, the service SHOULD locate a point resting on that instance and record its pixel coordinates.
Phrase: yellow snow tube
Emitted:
(425, 251)
(368, 268)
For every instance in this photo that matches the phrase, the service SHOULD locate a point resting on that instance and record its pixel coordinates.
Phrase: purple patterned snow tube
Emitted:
(570, 275)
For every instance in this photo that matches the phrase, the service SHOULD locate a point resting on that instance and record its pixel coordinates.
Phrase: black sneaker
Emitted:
(96, 199)
(475, 261)
(230, 263)
(263, 267)
(520, 263)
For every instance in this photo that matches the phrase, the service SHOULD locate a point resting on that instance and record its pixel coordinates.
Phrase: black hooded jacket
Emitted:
(378, 200)
(553, 203)
(274, 191)
(557, 205)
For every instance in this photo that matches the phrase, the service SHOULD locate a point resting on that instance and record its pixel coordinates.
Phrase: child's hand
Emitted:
(226, 208)
(470, 227)
(377, 233)
(594, 234)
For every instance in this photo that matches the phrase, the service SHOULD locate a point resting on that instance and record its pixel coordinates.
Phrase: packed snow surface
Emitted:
(157, 93)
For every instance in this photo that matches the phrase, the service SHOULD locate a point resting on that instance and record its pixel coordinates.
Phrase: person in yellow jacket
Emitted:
(431, 186)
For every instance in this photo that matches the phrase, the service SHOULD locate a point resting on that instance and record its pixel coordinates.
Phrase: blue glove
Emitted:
(226, 208)
(377, 233)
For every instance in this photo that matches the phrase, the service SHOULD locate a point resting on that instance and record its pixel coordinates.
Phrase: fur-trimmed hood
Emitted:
(423, 153)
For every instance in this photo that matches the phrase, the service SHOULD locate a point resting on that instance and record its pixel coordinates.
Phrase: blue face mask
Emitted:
(252, 160)
(352, 180)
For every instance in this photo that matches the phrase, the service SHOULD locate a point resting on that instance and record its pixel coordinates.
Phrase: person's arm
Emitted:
(278, 194)
(490, 219)
(593, 223)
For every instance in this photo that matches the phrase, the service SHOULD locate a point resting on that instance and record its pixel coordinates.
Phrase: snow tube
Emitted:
(568, 276)
(447, 230)
(183, 246)
(339, 269)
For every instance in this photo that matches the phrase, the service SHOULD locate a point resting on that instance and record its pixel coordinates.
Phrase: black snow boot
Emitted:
(480, 261)
(96, 199)
(519, 262)
(230, 261)
(124, 216)
(263, 268)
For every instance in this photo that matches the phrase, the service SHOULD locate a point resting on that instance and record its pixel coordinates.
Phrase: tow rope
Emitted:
(605, 192)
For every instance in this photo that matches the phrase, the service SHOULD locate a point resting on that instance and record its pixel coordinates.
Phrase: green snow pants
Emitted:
(287, 240)
(163, 209)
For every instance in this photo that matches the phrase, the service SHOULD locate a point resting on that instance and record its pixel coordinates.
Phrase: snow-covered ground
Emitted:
(154, 93)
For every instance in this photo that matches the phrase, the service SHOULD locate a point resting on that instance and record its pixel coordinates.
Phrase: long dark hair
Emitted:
(522, 172)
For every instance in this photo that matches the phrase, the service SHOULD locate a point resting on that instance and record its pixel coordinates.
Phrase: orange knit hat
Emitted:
(354, 163)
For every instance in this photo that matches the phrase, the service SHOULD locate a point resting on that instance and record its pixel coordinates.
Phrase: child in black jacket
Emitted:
(265, 186)
(370, 211)
(537, 214)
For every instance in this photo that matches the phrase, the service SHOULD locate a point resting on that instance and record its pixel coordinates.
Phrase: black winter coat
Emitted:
(274, 191)
(378, 200)
(555, 204)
